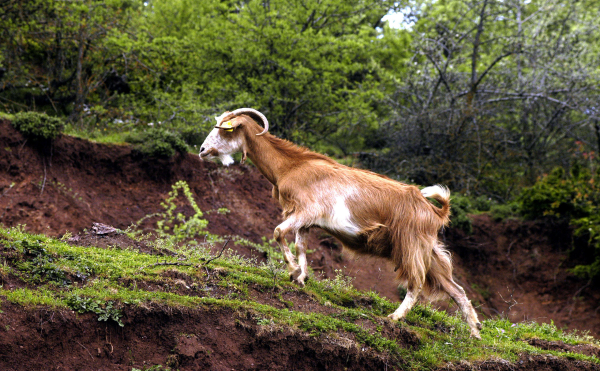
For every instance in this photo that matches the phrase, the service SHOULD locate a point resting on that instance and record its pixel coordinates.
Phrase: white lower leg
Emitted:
(409, 301)
(301, 238)
(460, 297)
(279, 236)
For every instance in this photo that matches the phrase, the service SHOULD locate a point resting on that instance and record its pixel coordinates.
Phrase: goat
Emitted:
(367, 212)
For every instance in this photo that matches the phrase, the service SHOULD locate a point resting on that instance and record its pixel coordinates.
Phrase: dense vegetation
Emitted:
(484, 96)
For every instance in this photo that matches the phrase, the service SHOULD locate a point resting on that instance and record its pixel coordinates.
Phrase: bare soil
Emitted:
(513, 268)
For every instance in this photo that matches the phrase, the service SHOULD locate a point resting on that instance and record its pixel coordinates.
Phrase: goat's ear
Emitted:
(229, 125)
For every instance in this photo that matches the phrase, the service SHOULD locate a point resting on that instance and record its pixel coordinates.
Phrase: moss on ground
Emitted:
(107, 282)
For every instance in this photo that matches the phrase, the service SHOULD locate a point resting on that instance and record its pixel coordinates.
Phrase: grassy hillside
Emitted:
(114, 283)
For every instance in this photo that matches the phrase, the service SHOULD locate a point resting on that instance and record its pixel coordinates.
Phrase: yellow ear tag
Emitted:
(227, 125)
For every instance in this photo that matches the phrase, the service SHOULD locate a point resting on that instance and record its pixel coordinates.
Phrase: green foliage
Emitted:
(40, 266)
(177, 224)
(501, 212)
(38, 126)
(461, 208)
(105, 311)
(174, 227)
(157, 143)
(472, 109)
(482, 203)
(572, 195)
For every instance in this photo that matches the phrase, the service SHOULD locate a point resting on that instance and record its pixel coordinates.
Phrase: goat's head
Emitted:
(227, 138)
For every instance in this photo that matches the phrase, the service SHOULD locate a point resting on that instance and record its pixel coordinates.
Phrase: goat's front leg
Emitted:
(409, 300)
(279, 236)
(300, 276)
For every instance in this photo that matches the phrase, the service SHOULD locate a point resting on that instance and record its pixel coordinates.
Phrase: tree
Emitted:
(495, 93)
(54, 54)
(309, 65)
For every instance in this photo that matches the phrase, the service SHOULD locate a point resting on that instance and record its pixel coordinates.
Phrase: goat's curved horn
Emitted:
(239, 111)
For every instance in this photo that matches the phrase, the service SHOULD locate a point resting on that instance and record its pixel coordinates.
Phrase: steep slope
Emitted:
(66, 306)
(513, 268)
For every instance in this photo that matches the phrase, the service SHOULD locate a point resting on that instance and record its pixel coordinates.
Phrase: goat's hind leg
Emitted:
(457, 293)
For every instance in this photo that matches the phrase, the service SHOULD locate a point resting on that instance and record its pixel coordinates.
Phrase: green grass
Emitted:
(107, 281)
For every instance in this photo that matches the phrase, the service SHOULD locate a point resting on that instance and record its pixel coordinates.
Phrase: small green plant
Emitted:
(38, 126)
(176, 227)
(41, 266)
(105, 311)
(177, 224)
(264, 322)
(157, 143)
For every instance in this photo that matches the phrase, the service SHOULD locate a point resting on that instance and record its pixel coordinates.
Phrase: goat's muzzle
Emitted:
(208, 152)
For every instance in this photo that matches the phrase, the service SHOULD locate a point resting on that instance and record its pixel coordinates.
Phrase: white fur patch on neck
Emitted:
(226, 159)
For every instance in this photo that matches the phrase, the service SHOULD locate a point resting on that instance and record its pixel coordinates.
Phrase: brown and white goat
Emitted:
(369, 213)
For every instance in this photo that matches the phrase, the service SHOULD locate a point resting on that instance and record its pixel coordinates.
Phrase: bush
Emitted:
(572, 196)
(193, 135)
(500, 212)
(482, 203)
(38, 126)
(157, 143)
(461, 207)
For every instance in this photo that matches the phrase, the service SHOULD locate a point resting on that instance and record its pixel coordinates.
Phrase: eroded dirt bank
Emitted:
(516, 269)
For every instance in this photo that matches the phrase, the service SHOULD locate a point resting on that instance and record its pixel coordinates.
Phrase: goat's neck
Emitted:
(269, 160)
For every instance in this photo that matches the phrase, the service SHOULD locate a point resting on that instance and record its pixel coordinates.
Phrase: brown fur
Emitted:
(394, 220)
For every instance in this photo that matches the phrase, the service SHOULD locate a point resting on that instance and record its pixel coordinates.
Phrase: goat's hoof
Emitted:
(298, 277)
(475, 334)
(395, 317)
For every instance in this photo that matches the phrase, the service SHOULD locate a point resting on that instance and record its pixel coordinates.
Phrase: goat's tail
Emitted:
(442, 195)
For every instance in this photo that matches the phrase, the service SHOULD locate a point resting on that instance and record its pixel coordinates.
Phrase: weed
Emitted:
(41, 266)
(264, 322)
(174, 227)
(105, 311)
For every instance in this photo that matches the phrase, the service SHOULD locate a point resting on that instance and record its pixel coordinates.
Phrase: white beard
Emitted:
(226, 159)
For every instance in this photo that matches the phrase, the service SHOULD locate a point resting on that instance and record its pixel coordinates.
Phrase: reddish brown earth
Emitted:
(513, 268)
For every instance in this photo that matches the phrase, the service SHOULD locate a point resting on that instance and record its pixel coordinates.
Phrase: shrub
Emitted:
(193, 135)
(38, 126)
(157, 143)
(461, 207)
(482, 203)
(573, 196)
(500, 212)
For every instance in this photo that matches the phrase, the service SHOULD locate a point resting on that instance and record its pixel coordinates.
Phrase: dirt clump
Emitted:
(104, 236)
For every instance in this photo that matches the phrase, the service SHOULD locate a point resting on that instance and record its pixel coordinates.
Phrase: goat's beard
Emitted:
(226, 159)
